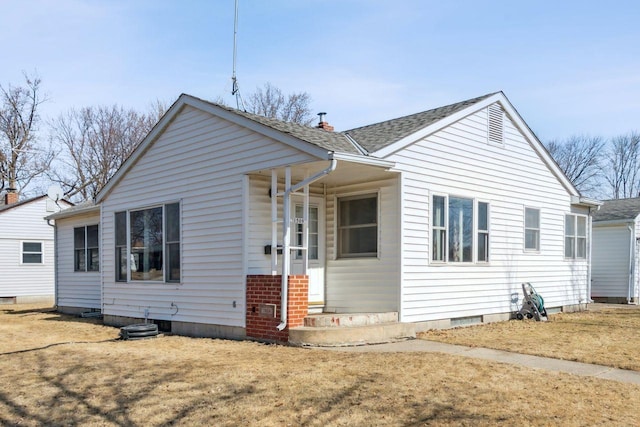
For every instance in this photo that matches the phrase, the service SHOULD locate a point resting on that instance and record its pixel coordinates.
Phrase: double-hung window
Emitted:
(358, 226)
(32, 253)
(575, 236)
(531, 229)
(460, 230)
(86, 248)
(147, 243)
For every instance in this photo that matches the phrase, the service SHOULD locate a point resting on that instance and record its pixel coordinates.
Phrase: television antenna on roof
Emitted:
(235, 89)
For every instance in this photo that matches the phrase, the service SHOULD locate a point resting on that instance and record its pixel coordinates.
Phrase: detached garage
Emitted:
(616, 233)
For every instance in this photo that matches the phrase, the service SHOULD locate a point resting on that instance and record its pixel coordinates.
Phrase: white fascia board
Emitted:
(613, 222)
(70, 212)
(365, 160)
(175, 109)
(585, 201)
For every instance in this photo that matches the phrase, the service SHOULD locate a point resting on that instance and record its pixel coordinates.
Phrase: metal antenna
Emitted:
(235, 90)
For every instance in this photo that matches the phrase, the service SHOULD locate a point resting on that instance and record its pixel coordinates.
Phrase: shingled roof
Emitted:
(618, 210)
(371, 137)
(331, 141)
(377, 136)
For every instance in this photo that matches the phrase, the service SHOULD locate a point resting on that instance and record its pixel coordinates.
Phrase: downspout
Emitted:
(55, 261)
(286, 255)
(632, 260)
(589, 249)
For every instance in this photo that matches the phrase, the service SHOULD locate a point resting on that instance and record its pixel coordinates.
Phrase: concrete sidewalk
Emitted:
(536, 362)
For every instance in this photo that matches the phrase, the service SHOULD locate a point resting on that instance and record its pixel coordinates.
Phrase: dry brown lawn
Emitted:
(604, 335)
(58, 370)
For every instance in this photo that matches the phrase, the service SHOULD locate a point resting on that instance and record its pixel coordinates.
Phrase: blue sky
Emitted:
(569, 67)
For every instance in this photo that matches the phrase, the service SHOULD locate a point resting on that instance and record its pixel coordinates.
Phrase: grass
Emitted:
(59, 370)
(604, 336)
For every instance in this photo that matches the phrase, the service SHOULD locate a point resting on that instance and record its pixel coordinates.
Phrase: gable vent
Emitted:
(496, 124)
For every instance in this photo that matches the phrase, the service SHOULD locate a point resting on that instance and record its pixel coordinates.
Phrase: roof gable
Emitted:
(618, 210)
(315, 142)
(381, 135)
(4, 208)
(407, 130)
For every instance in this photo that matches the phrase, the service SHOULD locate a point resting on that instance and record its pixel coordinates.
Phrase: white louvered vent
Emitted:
(496, 124)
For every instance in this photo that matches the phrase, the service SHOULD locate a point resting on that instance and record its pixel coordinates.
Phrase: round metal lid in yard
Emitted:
(139, 331)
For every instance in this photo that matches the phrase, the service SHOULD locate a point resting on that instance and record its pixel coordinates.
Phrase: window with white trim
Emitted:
(32, 253)
(147, 243)
(86, 249)
(531, 229)
(575, 236)
(358, 226)
(458, 236)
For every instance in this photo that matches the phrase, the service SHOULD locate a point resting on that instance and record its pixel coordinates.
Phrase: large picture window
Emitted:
(358, 226)
(575, 236)
(148, 244)
(460, 230)
(86, 248)
(531, 229)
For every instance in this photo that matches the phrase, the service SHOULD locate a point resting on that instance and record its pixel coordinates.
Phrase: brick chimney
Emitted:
(324, 125)
(10, 197)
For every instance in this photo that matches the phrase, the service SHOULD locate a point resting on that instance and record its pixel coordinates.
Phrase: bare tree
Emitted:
(22, 157)
(621, 167)
(96, 141)
(579, 158)
(269, 101)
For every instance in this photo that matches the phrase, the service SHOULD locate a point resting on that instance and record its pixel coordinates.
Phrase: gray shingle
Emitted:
(331, 141)
(372, 137)
(620, 209)
(377, 136)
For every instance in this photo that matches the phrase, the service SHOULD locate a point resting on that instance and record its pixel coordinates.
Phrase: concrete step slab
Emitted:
(331, 336)
(348, 320)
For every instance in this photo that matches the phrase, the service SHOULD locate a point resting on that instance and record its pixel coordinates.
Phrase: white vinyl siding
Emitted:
(77, 289)
(200, 160)
(26, 223)
(457, 160)
(365, 284)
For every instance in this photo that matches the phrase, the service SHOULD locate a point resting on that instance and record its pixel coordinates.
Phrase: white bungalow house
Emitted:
(429, 220)
(616, 239)
(26, 249)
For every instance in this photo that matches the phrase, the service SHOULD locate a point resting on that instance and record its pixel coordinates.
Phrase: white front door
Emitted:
(315, 267)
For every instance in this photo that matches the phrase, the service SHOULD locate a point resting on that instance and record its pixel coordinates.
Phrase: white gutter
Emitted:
(589, 249)
(365, 160)
(286, 226)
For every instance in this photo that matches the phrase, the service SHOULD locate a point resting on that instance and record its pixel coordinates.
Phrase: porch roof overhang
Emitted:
(350, 169)
(586, 202)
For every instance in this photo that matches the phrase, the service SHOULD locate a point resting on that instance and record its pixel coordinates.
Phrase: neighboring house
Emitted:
(434, 219)
(27, 258)
(78, 284)
(616, 236)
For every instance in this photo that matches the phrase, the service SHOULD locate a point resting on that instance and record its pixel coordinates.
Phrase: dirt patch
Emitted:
(58, 370)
